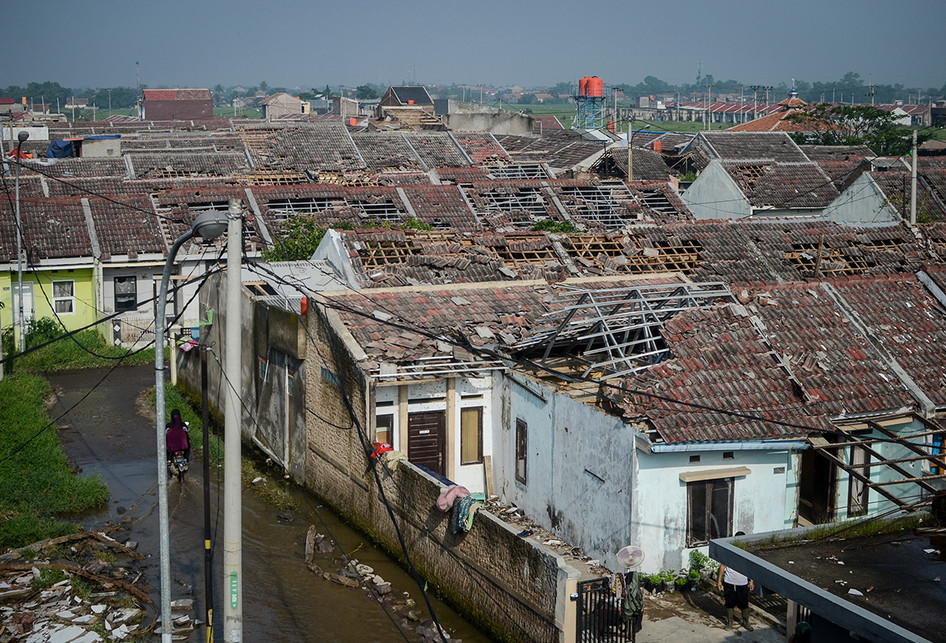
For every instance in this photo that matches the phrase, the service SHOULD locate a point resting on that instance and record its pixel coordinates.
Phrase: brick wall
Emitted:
(512, 587)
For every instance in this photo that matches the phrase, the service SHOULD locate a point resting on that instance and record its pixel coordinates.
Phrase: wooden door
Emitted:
(426, 440)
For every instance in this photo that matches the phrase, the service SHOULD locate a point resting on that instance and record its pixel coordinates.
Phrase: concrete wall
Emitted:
(862, 202)
(760, 500)
(272, 377)
(512, 586)
(714, 195)
(101, 148)
(503, 123)
(580, 480)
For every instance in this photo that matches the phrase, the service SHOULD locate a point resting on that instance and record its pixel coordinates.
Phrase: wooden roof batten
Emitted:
(618, 332)
(875, 459)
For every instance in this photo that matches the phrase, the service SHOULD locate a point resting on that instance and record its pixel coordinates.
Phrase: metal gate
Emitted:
(599, 613)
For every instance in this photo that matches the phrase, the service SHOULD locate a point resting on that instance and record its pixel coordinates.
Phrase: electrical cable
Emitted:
(529, 364)
(119, 360)
(247, 410)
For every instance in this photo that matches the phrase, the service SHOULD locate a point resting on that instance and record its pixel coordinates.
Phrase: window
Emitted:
(471, 435)
(126, 293)
(709, 510)
(522, 430)
(383, 426)
(64, 300)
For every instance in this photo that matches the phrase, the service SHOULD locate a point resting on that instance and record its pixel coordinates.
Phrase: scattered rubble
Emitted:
(352, 573)
(79, 588)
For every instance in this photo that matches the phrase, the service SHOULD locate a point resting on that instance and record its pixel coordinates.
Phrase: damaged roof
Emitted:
(784, 185)
(805, 354)
(750, 146)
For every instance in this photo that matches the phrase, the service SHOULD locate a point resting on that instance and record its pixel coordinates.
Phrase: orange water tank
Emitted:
(583, 86)
(595, 86)
(611, 126)
(658, 146)
(353, 122)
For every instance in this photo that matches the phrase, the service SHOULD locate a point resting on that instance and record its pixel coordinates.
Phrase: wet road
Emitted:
(283, 600)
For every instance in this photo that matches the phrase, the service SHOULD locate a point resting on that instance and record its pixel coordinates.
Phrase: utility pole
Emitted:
(755, 100)
(871, 90)
(232, 502)
(21, 136)
(205, 423)
(913, 184)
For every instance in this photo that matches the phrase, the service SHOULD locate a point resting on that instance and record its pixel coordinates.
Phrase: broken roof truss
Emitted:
(435, 368)
(617, 332)
(924, 446)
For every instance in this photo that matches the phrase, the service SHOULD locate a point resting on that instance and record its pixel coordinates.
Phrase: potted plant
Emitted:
(681, 580)
(693, 578)
(667, 577)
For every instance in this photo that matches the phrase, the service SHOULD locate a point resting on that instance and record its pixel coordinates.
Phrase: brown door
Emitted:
(426, 439)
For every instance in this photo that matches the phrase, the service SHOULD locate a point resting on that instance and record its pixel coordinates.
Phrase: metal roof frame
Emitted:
(621, 325)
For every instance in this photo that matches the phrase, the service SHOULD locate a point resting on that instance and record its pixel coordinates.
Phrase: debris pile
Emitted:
(351, 573)
(79, 588)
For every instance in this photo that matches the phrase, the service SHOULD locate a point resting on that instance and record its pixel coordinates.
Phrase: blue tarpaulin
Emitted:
(59, 150)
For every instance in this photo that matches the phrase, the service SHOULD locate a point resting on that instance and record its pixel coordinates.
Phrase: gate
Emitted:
(599, 613)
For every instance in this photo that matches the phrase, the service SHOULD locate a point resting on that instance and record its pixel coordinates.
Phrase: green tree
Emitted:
(834, 124)
(528, 99)
(300, 237)
(366, 92)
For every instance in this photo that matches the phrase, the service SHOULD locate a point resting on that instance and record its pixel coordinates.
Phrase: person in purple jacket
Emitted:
(176, 437)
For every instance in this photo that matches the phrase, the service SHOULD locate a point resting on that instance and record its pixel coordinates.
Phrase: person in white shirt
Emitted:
(735, 588)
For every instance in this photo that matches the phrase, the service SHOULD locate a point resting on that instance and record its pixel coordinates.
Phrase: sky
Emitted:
(313, 43)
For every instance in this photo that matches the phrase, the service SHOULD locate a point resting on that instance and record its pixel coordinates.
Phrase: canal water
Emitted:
(101, 423)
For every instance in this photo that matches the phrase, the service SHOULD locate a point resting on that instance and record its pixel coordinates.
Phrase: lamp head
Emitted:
(210, 224)
(22, 135)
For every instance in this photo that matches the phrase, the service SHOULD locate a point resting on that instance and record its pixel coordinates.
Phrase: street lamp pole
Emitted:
(208, 225)
(21, 137)
(232, 501)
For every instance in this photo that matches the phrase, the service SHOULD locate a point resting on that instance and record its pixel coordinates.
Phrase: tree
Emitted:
(528, 99)
(264, 86)
(300, 237)
(855, 124)
(366, 92)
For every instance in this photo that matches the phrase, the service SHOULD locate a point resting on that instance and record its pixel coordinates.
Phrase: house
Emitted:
(406, 96)
(451, 374)
(11, 106)
(279, 105)
(756, 174)
(176, 104)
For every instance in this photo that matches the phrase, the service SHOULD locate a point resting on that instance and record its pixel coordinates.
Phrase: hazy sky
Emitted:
(306, 43)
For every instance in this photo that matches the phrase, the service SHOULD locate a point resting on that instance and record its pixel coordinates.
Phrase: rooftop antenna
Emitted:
(137, 80)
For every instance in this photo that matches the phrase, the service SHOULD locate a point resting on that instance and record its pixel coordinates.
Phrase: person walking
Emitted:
(735, 588)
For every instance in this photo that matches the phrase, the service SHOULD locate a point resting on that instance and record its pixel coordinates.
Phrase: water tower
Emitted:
(590, 100)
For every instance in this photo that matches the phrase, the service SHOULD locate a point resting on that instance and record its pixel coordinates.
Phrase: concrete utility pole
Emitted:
(232, 502)
(20, 137)
(208, 225)
(913, 184)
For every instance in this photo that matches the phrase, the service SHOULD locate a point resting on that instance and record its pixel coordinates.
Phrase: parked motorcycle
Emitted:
(178, 465)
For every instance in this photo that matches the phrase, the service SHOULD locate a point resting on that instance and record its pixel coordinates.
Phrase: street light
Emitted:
(208, 224)
(20, 138)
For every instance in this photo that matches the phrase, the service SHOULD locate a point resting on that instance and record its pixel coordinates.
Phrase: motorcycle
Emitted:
(178, 465)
